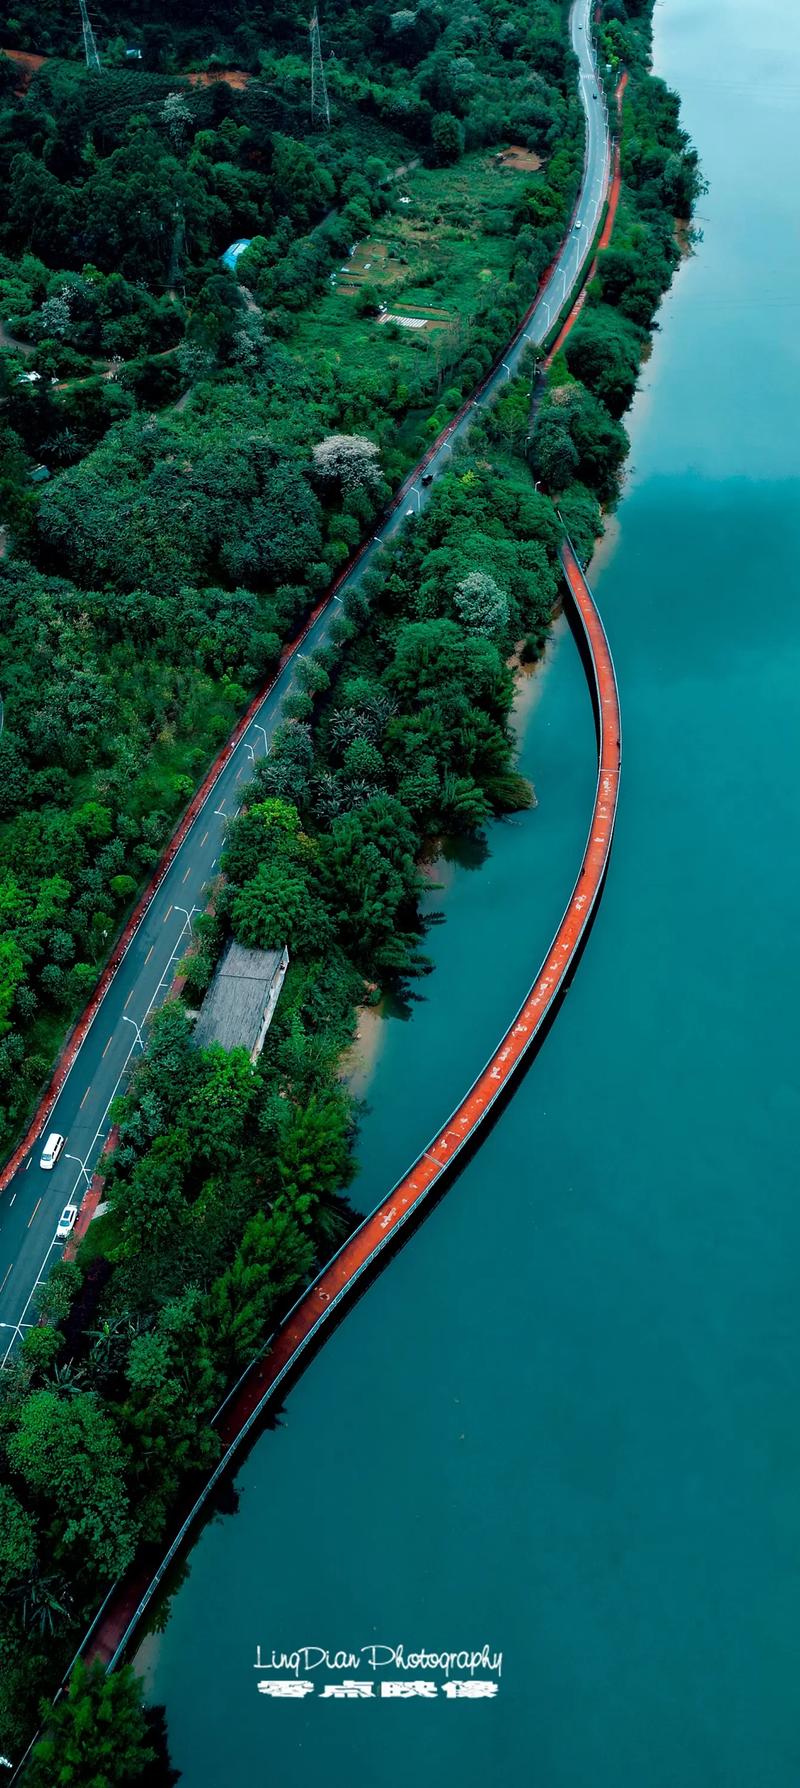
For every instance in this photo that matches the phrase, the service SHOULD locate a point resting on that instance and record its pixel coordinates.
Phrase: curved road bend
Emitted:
(32, 1199)
(380, 1232)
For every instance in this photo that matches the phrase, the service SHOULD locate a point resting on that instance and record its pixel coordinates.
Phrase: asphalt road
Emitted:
(32, 1202)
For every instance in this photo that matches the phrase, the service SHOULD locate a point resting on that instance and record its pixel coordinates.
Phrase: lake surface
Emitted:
(564, 1422)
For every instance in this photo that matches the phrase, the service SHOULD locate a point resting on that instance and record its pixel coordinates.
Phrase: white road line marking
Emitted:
(98, 1136)
(108, 1045)
(33, 1212)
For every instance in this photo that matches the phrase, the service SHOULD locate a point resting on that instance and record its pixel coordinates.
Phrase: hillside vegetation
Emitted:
(151, 580)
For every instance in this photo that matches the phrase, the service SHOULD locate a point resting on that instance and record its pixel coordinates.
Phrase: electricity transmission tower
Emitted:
(320, 104)
(90, 47)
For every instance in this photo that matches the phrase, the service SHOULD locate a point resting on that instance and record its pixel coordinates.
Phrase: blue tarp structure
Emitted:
(232, 254)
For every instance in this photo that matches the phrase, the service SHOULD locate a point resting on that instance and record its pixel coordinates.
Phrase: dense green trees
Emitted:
(96, 1737)
(604, 353)
(68, 1457)
(578, 441)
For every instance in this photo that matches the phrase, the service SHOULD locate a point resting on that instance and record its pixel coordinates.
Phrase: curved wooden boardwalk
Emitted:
(342, 1279)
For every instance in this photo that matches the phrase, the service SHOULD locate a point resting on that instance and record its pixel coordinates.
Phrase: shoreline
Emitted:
(361, 1057)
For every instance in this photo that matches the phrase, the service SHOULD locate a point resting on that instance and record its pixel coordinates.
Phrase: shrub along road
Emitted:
(94, 1066)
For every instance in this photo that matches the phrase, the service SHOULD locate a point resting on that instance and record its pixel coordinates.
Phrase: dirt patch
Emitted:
(357, 1064)
(683, 237)
(28, 65)
(235, 77)
(521, 160)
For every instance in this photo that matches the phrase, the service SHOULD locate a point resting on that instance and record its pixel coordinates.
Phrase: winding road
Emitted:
(94, 1066)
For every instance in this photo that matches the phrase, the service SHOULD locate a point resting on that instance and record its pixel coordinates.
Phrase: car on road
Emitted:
(579, 223)
(52, 1150)
(66, 1222)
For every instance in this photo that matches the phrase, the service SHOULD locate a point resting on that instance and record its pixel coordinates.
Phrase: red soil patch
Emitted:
(235, 77)
(28, 65)
(521, 160)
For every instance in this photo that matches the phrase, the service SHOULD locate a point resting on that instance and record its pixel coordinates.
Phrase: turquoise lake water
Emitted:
(564, 1422)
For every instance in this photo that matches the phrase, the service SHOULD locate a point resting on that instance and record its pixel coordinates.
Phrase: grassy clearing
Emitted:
(436, 258)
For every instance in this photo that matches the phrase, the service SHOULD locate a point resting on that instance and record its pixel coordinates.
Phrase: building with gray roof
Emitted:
(238, 1007)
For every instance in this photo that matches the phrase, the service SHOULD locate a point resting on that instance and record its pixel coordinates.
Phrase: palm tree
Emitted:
(44, 1603)
(68, 1377)
(111, 1342)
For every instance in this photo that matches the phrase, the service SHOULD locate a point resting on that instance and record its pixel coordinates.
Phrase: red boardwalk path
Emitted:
(342, 1278)
(603, 242)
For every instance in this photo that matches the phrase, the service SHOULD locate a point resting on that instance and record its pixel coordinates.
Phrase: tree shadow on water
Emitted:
(159, 1773)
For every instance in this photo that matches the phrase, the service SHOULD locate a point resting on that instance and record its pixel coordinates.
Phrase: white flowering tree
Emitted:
(481, 604)
(352, 460)
(177, 116)
(55, 315)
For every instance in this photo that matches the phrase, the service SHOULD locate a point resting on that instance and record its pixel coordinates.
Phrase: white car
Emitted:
(579, 223)
(52, 1150)
(66, 1221)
